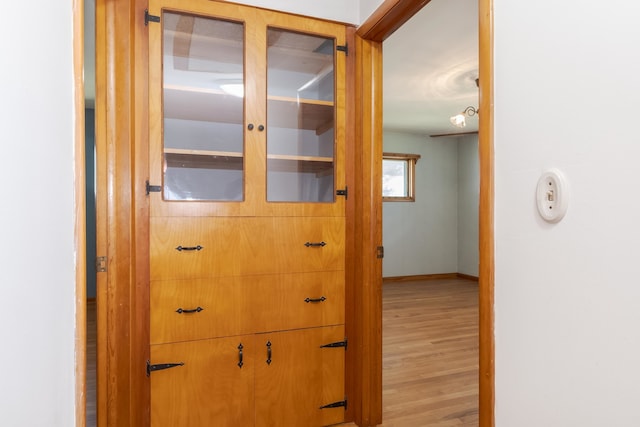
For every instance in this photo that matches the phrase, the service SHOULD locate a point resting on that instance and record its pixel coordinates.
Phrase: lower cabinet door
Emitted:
(203, 383)
(297, 373)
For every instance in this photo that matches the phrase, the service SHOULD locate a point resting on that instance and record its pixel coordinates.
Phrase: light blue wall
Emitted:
(468, 204)
(438, 233)
(421, 237)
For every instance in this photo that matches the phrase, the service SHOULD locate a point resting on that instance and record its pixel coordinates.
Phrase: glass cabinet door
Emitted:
(300, 117)
(203, 108)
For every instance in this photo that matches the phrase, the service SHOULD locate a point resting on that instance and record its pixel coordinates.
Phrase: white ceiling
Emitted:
(430, 67)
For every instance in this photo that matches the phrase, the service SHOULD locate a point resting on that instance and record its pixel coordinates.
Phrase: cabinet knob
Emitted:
(250, 126)
(261, 128)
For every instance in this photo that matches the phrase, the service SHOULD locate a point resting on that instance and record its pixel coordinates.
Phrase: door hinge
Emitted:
(152, 188)
(150, 18)
(344, 192)
(342, 403)
(161, 366)
(343, 48)
(336, 344)
(380, 252)
(101, 264)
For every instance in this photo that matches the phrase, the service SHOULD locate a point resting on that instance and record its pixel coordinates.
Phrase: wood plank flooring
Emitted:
(430, 354)
(91, 363)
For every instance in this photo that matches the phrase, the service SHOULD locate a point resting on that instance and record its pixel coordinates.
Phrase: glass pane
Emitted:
(300, 117)
(395, 176)
(203, 82)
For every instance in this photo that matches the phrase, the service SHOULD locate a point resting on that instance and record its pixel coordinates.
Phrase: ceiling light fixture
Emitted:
(460, 120)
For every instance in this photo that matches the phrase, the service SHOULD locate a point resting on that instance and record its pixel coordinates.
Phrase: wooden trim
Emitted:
(368, 229)
(80, 225)
(417, 277)
(101, 213)
(487, 263)
(382, 23)
(402, 156)
(388, 17)
(351, 254)
(121, 128)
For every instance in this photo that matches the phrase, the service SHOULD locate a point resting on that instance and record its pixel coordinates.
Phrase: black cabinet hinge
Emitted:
(344, 48)
(380, 252)
(340, 404)
(336, 344)
(161, 366)
(152, 188)
(150, 18)
(344, 192)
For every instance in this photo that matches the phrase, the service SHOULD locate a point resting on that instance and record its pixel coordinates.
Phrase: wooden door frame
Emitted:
(368, 136)
(123, 227)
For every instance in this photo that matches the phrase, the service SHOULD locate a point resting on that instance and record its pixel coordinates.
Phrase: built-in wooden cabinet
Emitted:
(247, 216)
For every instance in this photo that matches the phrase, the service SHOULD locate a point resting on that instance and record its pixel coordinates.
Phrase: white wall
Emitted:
(367, 7)
(468, 203)
(567, 296)
(37, 279)
(421, 237)
(347, 11)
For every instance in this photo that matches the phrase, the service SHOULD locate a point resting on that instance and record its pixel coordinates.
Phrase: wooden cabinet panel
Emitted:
(280, 302)
(230, 306)
(198, 393)
(220, 304)
(300, 378)
(232, 246)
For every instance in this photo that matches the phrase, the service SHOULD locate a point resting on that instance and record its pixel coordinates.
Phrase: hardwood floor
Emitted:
(91, 363)
(430, 354)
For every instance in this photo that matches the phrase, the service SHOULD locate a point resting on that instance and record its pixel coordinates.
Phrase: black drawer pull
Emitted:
(321, 299)
(195, 310)
(268, 352)
(240, 362)
(188, 248)
(315, 244)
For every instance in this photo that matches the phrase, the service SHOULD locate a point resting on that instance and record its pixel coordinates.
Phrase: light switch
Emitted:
(552, 195)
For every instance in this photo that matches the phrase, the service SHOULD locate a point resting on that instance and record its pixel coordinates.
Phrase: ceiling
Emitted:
(430, 68)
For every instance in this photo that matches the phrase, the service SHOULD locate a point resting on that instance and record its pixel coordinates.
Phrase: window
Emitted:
(398, 177)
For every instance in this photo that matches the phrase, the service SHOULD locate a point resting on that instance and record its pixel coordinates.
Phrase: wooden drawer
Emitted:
(295, 301)
(228, 246)
(229, 306)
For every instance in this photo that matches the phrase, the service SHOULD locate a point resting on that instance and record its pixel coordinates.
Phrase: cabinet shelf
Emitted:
(209, 159)
(202, 104)
(203, 159)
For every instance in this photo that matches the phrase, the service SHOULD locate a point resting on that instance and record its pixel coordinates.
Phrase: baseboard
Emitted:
(418, 277)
